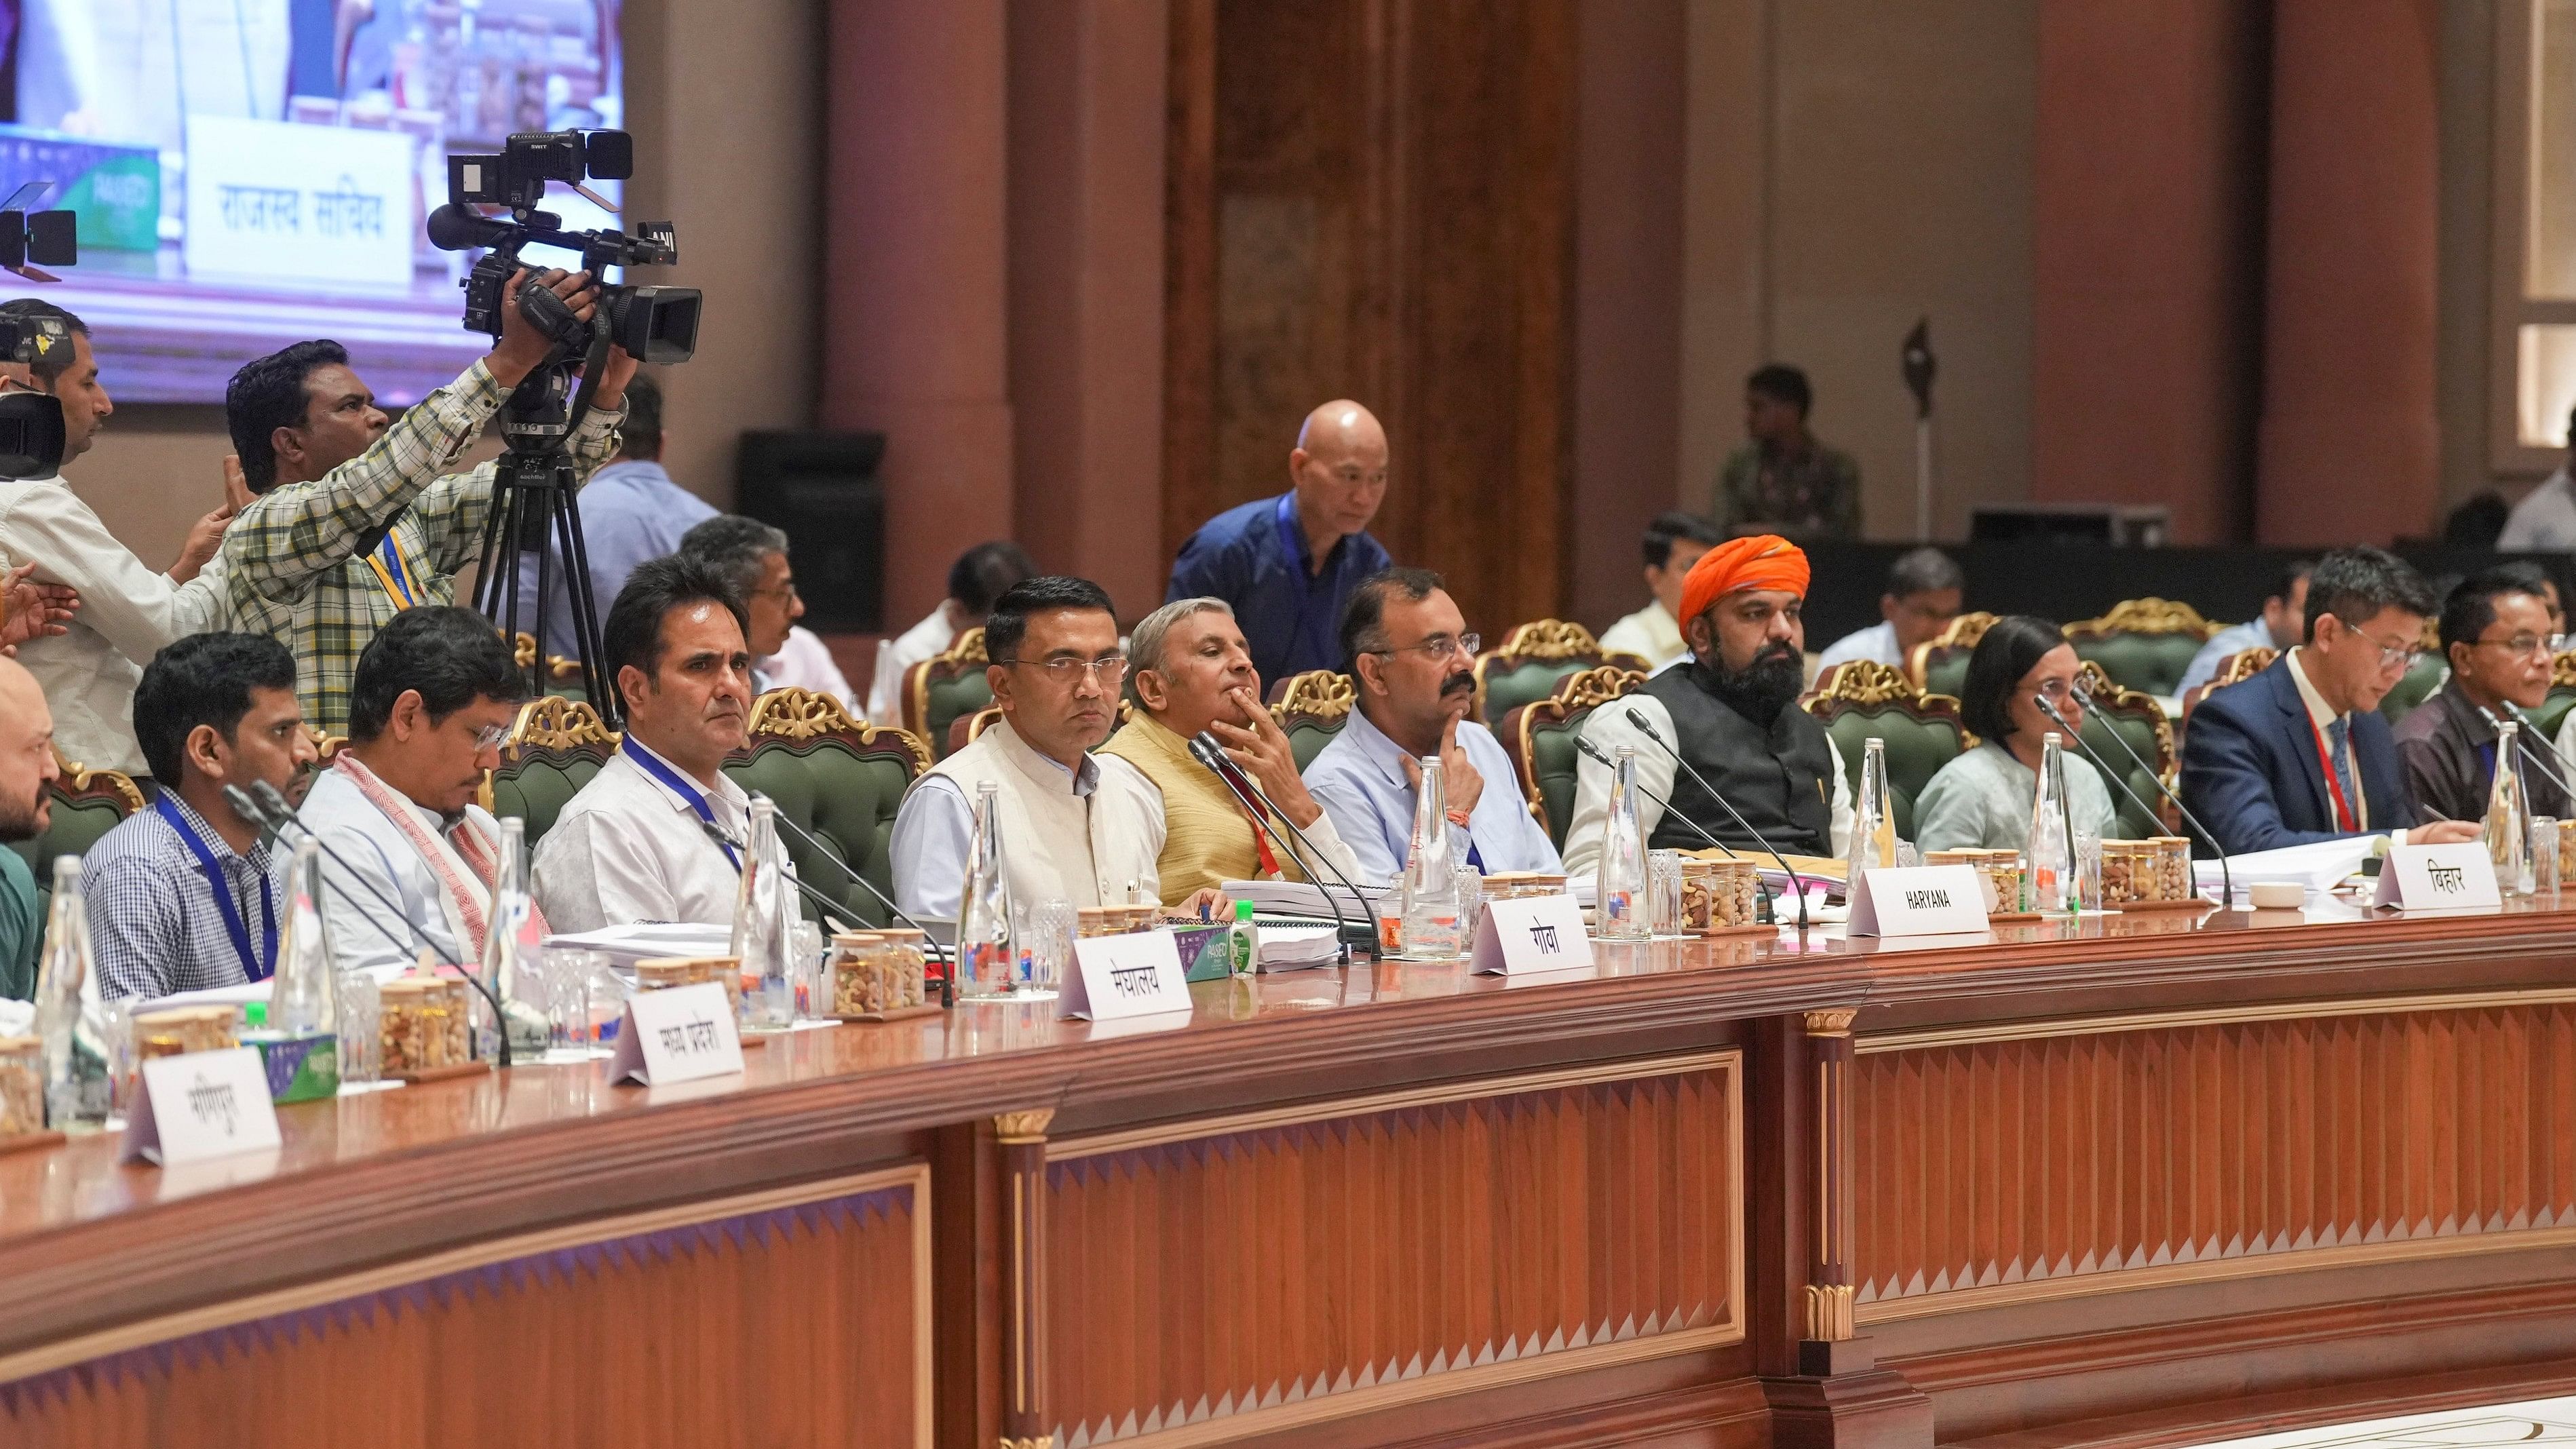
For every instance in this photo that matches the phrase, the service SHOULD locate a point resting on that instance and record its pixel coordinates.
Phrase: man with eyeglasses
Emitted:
(2299, 753)
(784, 653)
(432, 700)
(2496, 633)
(1414, 662)
(1076, 826)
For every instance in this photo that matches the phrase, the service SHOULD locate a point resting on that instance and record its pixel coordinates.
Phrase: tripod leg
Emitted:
(487, 555)
(585, 604)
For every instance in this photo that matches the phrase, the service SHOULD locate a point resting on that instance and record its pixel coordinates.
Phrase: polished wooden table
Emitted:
(2138, 1180)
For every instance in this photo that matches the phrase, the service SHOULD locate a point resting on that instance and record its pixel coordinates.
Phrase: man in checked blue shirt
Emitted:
(179, 894)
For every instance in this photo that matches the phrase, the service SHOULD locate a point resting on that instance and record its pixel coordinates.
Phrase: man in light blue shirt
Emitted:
(1413, 660)
(630, 512)
(2284, 622)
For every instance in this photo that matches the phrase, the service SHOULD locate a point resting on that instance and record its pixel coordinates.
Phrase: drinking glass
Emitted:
(1047, 935)
(361, 1038)
(2088, 870)
(571, 1023)
(808, 980)
(1664, 892)
(2544, 856)
(116, 1030)
(1471, 903)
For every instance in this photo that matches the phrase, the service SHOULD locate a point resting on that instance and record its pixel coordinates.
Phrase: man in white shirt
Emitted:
(129, 610)
(980, 575)
(433, 699)
(1924, 593)
(1077, 827)
(1674, 541)
(633, 845)
(2282, 623)
(753, 555)
(2545, 520)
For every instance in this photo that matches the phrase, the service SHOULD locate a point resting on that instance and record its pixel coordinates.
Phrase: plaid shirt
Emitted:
(295, 555)
(154, 928)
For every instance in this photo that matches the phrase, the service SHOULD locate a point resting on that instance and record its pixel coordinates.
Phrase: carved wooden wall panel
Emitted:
(790, 1319)
(2006, 1164)
(1298, 1265)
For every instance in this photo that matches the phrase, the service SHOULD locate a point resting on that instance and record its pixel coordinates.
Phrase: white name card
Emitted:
(201, 1106)
(677, 1034)
(1918, 900)
(1539, 933)
(1137, 974)
(2431, 877)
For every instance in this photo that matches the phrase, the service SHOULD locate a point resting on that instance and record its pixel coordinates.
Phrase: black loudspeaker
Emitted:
(822, 489)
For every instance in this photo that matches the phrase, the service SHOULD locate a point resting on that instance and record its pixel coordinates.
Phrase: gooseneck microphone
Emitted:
(2226, 875)
(831, 909)
(2522, 742)
(1665, 803)
(947, 984)
(1248, 792)
(1797, 883)
(274, 829)
(2531, 730)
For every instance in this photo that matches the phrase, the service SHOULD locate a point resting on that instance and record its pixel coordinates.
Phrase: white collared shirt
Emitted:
(629, 848)
(2321, 714)
(805, 662)
(381, 860)
(1877, 643)
(1651, 633)
(925, 640)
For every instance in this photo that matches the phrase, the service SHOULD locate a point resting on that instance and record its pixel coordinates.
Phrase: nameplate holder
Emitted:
(677, 1034)
(2438, 877)
(1535, 933)
(1919, 900)
(1115, 977)
(200, 1106)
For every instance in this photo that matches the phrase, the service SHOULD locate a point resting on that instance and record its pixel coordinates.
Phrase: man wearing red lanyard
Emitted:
(178, 894)
(2300, 753)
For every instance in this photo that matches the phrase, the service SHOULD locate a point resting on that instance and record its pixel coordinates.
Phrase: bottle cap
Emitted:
(255, 1013)
(1243, 910)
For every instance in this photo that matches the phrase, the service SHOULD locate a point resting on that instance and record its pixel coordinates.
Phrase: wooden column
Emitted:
(1829, 1252)
(1022, 1136)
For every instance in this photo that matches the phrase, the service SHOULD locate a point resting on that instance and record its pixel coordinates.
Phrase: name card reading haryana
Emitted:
(2437, 877)
(1921, 900)
(201, 1105)
(1536, 933)
(678, 1034)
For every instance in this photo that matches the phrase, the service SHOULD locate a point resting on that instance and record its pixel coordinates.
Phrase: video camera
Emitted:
(653, 324)
(32, 435)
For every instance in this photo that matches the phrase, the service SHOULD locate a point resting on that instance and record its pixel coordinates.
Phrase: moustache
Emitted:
(1462, 682)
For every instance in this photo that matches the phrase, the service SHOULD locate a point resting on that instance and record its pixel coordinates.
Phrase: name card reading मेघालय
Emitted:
(199, 1106)
(2437, 877)
(1137, 974)
(1535, 933)
(1918, 900)
(677, 1034)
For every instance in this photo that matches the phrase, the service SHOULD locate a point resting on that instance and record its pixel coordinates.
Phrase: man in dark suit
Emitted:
(2300, 753)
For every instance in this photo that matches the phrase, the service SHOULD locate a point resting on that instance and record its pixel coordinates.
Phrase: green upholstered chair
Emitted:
(1865, 700)
(553, 750)
(2236, 668)
(1532, 660)
(2561, 698)
(2422, 677)
(86, 805)
(840, 779)
(1311, 708)
(2139, 719)
(2143, 644)
(1941, 665)
(938, 690)
(1540, 739)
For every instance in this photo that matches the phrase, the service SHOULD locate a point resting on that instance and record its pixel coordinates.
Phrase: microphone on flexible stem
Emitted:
(2531, 728)
(831, 909)
(1797, 882)
(2226, 876)
(2529, 755)
(869, 886)
(273, 813)
(1248, 792)
(1665, 804)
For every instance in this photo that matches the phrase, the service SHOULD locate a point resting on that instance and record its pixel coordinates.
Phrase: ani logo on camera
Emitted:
(326, 203)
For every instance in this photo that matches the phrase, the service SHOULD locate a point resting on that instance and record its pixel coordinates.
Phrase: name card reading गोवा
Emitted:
(199, 1106)
(1536, 933)
(677, 1034)
(2435, 877)
(1918, 900)
(1138, 974)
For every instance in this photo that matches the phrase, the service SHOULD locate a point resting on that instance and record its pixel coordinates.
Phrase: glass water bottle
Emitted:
(1430, 930)
(1619, 895)
(302, 1000)
(2052, 844)
(1873, 835)
(76, 1077)
(984, 947)
(510, 945)
(2508, 819)
(765, 916)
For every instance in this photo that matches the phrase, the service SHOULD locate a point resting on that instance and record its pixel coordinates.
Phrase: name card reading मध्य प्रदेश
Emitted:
(2433, 877)
(677, 1034)
(1918, 900)
(1534, 933)
(201, 1105)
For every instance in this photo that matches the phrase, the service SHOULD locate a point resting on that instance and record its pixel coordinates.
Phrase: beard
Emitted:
(18, 819)
(1760, 690)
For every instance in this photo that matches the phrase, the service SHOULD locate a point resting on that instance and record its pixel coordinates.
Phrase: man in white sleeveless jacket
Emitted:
(1075, 826)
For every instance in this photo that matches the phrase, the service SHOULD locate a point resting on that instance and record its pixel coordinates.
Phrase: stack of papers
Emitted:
(1294, 947)
(2318, 867)
(626, 945)
(1296, 898)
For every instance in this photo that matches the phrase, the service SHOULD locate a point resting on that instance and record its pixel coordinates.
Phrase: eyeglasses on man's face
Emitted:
(1109, 669)
(1438, 646)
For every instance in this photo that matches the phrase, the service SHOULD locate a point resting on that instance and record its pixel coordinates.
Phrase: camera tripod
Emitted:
(536, 511)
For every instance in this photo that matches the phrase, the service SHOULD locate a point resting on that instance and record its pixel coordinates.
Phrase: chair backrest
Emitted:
(86, 805)
(2139, 720)
(1540, 739)
(2236, 668)
(1866, 700)
(554, 748)
(1532, 660)
(1940, 666)
(1311, 708)
(2561, 697)
(563, 676)
(2142, 644)
(2422, 677)
(841, 780)
(941, 688)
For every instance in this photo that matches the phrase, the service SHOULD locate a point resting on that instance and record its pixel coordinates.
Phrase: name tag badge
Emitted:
(678, 1034)
(200, 1106)
(1920, 900)
(1538, 933)
(1138, 974)
(2438, 877)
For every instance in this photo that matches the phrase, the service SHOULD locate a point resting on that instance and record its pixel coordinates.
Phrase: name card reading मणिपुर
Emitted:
(1537, 933)
(1918, 900)
(677, 1034)
(201, 1105)
(1136, 974)
(2432, 877)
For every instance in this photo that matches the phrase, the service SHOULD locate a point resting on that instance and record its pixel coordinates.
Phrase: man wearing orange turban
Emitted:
(1729, 709)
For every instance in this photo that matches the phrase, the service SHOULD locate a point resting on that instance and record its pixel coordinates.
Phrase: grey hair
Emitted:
(1145, 645)
(736, 547)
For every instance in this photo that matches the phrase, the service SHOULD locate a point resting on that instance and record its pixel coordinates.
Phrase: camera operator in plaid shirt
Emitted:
(354, 522)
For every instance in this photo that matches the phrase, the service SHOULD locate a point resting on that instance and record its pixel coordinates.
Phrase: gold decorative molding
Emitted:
(1866, 681)
(1042, 1441)
(1028, 1125)
(1965, 630)
(2562, 670)
(982, 720)
(1836, 1022)
(799, 714)
(1594, 687)
(2244, 664)
(2145, 616)
(554, 723)
(523, 649)
(78, 779)
(968, 648)
(1549, 639)
(1317, 694)
(1829, 1312)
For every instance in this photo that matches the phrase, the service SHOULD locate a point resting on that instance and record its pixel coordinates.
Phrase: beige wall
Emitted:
(733, 163)
(1854, 165)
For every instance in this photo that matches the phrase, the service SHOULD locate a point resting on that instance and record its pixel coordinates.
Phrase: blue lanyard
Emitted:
(256, 968)
(652, 765)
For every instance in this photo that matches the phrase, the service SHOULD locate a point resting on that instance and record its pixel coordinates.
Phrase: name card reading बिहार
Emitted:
(1918, 900)
(677, 1034)
(1138, 974)
(2436, 877)
(1536, 933)
(201, 1105)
